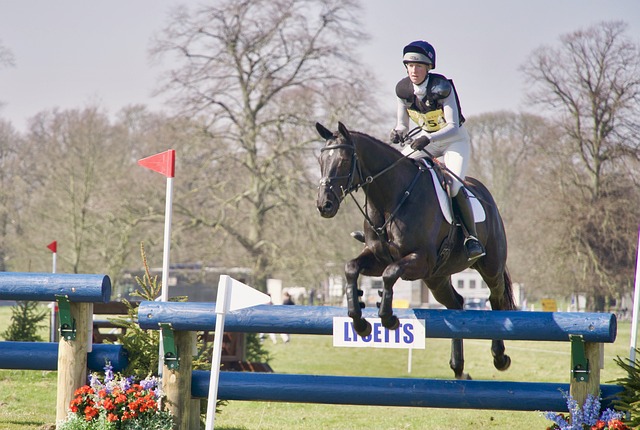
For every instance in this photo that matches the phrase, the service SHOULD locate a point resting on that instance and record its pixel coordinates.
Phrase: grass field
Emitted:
(27, 398)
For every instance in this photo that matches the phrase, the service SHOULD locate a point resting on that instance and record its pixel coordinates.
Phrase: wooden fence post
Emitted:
(72, 358)
(579, 390)
(176, 383)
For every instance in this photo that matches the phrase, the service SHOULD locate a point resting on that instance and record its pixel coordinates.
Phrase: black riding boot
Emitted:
(472, 245)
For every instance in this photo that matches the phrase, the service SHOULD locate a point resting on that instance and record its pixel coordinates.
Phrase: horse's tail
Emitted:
(508, 292)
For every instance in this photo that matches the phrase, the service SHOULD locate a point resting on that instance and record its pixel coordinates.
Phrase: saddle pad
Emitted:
(445, 203)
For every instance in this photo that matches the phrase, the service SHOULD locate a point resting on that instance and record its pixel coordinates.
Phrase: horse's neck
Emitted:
(385, 190)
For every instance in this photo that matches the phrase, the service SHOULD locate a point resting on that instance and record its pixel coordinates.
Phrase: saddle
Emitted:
(441, 182)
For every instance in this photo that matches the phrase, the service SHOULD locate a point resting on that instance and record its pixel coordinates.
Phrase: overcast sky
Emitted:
(73, 53)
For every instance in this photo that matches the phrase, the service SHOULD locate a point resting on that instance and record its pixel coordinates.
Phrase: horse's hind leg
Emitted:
(445, 294)
(501, 299)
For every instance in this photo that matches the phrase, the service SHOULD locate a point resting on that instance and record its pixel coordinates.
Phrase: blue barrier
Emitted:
(441, 324)
(447, 324)
(357, 390)
(44, 356)
(46, 286)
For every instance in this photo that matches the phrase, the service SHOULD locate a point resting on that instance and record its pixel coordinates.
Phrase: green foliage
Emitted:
(159, 421)
(142, 345)
(25, 322)
(629, 398)
(255, 350)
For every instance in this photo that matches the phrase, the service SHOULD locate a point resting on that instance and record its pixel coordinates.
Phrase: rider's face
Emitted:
(417, 72)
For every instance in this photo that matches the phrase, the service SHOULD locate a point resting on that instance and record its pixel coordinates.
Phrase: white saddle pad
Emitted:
(478, 211)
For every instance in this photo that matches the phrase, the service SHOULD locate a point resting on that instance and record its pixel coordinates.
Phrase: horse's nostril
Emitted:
(327, 206)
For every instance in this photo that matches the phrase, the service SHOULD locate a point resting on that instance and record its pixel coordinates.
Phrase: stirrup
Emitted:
(358, 235)
(473, 248)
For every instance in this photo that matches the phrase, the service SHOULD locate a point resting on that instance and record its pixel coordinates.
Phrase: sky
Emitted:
(75, 53)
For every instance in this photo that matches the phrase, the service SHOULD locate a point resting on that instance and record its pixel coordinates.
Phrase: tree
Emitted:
(6, 56)
(509, 155)
(26, 319)
(87, 191)
(590, 84)
(6, 59)
(259, 73)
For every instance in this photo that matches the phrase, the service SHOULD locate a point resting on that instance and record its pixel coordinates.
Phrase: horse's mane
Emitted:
(378, 142)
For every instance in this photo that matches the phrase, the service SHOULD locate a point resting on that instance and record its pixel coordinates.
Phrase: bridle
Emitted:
(353, 186)
(355, 166)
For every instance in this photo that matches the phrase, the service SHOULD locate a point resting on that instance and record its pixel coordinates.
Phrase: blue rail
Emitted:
(445, 324)
(45, 287)
(358, 390)
(44, 356)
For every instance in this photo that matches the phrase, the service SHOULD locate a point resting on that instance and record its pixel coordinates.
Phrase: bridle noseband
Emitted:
(351, 187)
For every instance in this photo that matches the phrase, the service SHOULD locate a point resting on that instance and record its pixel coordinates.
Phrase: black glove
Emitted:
(420, 143)
(395, 137)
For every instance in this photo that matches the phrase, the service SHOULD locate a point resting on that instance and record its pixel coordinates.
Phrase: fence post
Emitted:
(72, 358)
(580, 389)
(176, 383)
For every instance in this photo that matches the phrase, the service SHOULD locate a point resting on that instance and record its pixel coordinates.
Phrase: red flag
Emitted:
(164, 162)
(53, 246)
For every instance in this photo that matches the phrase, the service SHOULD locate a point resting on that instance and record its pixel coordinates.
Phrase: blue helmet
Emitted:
(419, 52)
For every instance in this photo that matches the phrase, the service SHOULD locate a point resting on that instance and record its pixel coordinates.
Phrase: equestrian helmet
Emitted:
(419, 52)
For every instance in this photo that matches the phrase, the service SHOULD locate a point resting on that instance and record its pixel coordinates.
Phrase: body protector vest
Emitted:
(428, 112)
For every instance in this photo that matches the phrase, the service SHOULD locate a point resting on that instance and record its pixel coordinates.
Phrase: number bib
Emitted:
(430, 121)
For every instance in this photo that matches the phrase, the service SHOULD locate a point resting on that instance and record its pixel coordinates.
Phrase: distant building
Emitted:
(197, 282)
(414, 294)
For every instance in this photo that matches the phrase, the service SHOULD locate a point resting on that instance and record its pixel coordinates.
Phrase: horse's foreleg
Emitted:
(385, 311)
(354, 304)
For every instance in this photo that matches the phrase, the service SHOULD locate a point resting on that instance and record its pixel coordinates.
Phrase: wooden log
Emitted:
(581, 389)
(72, 358)
(176, 384)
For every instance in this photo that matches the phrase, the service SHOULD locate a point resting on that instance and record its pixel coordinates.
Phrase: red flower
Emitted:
(617, 425)
(112, 417)
(90, 413)
(600, 425)
(108, 404)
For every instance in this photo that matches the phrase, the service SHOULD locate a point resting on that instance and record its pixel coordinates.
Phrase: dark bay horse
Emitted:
(406, 233)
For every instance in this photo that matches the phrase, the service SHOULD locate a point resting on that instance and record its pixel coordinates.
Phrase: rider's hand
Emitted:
(420, 143)
(395, 137)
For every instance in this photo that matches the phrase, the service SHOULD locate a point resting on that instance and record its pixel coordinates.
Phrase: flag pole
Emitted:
(222, 304)
(167, 239)
(232, 295)
(636, 308)
(164, 163)
(53, 247)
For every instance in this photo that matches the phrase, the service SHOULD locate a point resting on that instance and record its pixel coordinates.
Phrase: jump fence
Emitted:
(586, 332)
(75, 295)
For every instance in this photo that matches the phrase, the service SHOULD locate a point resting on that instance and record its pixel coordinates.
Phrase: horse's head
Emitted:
(337, 167)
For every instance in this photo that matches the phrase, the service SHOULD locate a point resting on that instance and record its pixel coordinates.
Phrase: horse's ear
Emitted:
(343, 130)
(323, 131)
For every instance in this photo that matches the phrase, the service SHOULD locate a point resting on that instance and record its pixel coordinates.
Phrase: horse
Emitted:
(406, 233)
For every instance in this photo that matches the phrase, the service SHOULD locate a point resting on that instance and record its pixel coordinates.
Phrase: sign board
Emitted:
(409, 335)
(549, 305)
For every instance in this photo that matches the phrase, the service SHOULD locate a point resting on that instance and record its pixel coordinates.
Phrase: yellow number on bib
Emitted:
(430, 121)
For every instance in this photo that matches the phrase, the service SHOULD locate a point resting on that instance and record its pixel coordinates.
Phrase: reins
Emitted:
(354, 187)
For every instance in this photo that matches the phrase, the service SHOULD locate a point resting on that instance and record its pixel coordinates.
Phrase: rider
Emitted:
(431, 101)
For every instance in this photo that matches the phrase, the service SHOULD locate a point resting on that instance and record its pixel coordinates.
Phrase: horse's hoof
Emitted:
(502, 364)
(392, 322)
(363, 327)
(464, 377)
